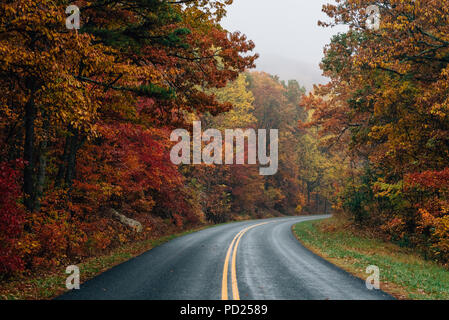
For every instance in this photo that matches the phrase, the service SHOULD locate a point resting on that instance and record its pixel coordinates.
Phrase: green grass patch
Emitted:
(404, 273)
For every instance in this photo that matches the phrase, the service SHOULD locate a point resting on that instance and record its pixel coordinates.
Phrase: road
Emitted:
(268, 264)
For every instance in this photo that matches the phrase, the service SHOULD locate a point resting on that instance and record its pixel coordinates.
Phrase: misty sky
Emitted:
(287, 37)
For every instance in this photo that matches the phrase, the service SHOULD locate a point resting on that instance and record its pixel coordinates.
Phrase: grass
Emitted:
(48, 286)
(52, 284)
(404, 273)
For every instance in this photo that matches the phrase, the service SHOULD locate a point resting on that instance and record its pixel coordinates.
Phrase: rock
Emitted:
(136, 225)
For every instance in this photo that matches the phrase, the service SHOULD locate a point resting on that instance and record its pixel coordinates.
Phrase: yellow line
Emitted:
(235, 289)
(224, 283)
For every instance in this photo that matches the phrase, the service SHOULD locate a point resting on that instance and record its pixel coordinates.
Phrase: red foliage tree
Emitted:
(11, 217)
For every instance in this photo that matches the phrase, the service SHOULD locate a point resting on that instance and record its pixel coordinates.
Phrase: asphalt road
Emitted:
(269, 264)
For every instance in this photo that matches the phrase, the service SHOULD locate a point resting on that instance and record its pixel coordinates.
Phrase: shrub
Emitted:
(11, 217)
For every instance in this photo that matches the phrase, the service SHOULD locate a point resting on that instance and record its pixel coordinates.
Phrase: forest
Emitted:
(386, 110)
(86, 117)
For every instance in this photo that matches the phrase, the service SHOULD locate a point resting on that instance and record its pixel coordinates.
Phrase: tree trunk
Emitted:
(28, 154)
(42, 167)
(76, 143)
(71, 161)
(308, 194)
(64, 160)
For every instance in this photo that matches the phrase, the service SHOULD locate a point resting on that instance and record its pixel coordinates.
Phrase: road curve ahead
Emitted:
(254, 260)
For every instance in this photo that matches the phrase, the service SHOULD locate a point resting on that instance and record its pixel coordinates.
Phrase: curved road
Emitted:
(269, 264)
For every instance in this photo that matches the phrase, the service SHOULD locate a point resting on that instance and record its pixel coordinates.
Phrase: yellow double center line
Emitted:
(224, 283)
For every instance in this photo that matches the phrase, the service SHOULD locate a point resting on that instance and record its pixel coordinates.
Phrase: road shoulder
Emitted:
(404, 274)
(47, 286)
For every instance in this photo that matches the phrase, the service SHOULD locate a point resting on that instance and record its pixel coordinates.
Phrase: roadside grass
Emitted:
(52, 284)
(48, 286)
(404, 274)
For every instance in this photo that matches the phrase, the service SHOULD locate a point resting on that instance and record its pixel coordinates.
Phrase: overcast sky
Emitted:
(287, 37)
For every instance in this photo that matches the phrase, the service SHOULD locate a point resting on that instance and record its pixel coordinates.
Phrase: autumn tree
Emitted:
(90, 112)
(386, 108)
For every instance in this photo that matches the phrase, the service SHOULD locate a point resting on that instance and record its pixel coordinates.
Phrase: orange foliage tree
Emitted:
(386, 107)
(90, 110)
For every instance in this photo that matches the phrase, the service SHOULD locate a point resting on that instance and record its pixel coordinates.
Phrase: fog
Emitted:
(287, 35)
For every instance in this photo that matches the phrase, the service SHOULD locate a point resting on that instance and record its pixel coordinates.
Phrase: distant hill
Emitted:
(306, 74)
